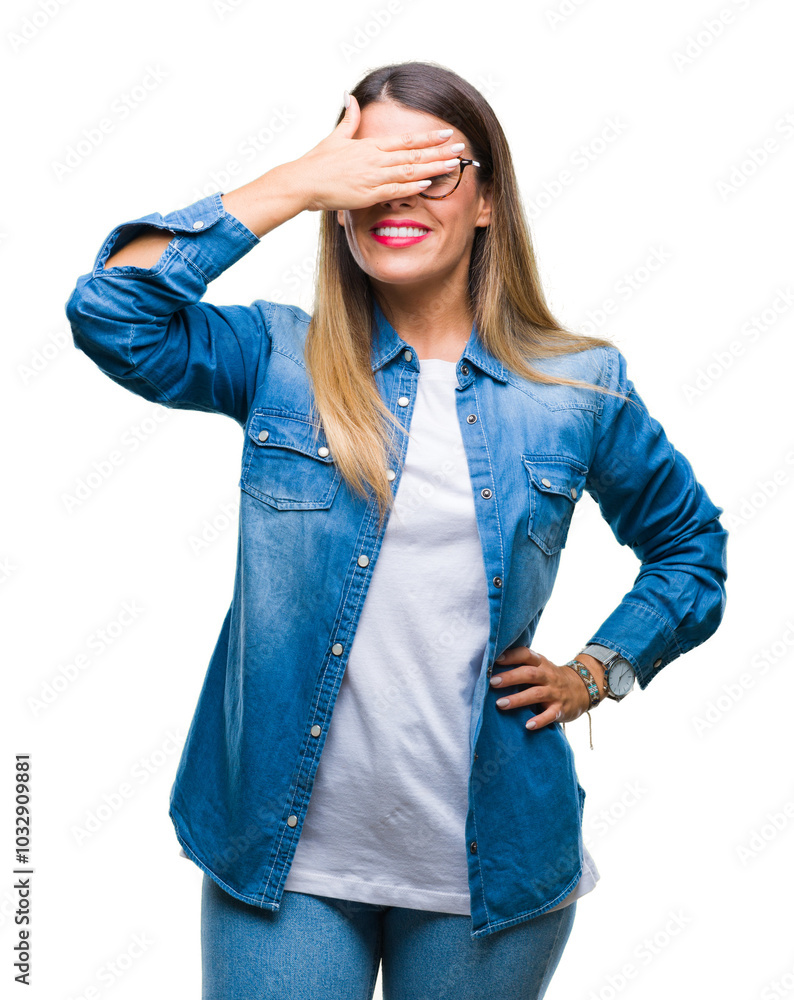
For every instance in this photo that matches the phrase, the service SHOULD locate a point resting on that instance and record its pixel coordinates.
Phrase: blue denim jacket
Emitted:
(244, 779)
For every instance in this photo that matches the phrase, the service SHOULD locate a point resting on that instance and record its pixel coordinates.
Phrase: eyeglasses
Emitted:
(444, 184)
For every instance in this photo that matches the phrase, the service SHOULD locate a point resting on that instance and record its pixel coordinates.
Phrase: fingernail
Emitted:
(500, 658)
(347, 99)
(530, 724)
(496, 681)
(445, 131)
(501, 702)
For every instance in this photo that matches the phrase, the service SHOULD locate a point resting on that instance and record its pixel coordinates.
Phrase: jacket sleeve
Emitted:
(148, 331)
(647, 492)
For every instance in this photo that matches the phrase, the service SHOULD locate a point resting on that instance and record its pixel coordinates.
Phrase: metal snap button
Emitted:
(657, 663)
(292, 821)
(315, 730)
(573, 492)
(464, 370)
(407, 355)
(337, 648)
(264, 435)
(486, 493)
(198, 224)
(473, 847)
(363, 560)
(545, 482)
(403, 401)
(472, 418)
(323, 451)
(497, 581)
(390, 474)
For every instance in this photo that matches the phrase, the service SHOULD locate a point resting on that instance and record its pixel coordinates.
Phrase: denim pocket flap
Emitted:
(288, 464)
(556, 484)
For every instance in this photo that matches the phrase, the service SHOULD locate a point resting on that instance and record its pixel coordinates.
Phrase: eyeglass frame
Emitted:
(463, 164)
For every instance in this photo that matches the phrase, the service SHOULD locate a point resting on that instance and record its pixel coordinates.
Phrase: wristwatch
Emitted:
(619, 674)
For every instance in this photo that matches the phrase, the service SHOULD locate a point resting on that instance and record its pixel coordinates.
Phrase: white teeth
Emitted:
(401, 231)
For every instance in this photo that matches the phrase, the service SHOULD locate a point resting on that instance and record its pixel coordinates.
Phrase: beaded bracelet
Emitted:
(592, 690)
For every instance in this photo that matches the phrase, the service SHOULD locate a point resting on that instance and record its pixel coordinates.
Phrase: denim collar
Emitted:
(387, 343)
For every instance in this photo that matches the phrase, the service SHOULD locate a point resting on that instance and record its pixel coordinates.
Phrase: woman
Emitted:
(413, 455)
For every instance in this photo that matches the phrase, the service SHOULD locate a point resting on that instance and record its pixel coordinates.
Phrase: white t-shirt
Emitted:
(386, 821)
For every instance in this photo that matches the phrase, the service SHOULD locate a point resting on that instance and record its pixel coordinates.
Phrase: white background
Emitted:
(674, 805)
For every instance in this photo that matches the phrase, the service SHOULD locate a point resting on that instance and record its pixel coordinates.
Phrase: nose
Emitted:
(400, 199)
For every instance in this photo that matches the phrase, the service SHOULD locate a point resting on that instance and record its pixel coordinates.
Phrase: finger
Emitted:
(530, 667)
(445, 156)
(525, 673)
(534, 695)
(545, 717)
(351, 120)
(414, 140)
(409, 173)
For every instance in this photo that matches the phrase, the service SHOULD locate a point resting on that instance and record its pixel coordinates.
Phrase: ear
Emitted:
(484, 216)
(340, 217)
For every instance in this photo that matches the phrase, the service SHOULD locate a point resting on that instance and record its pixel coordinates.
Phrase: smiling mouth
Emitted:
(400, 231)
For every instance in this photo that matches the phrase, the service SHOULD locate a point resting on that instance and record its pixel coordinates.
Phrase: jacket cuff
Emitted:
(642, 636)
(205, 235)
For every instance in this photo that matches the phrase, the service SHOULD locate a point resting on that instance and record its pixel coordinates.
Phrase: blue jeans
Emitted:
(323, 948)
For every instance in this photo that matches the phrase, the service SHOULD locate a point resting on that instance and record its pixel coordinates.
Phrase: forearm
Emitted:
(261, 205)
(270, 200)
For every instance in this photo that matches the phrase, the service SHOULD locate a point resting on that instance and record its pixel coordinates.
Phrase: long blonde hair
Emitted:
(513, 320)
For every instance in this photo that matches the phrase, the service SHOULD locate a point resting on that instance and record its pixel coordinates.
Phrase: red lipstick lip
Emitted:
(400, 222)
(399, 241)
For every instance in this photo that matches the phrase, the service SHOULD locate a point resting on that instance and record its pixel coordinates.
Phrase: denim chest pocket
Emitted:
(285, 464)
(555, 484)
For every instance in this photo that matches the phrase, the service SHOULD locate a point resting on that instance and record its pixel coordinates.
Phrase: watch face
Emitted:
(621, 677)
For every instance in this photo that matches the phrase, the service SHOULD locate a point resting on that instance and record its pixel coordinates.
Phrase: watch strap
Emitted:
(607, 657)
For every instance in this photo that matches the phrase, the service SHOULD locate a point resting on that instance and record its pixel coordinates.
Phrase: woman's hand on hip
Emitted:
(560, 690)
